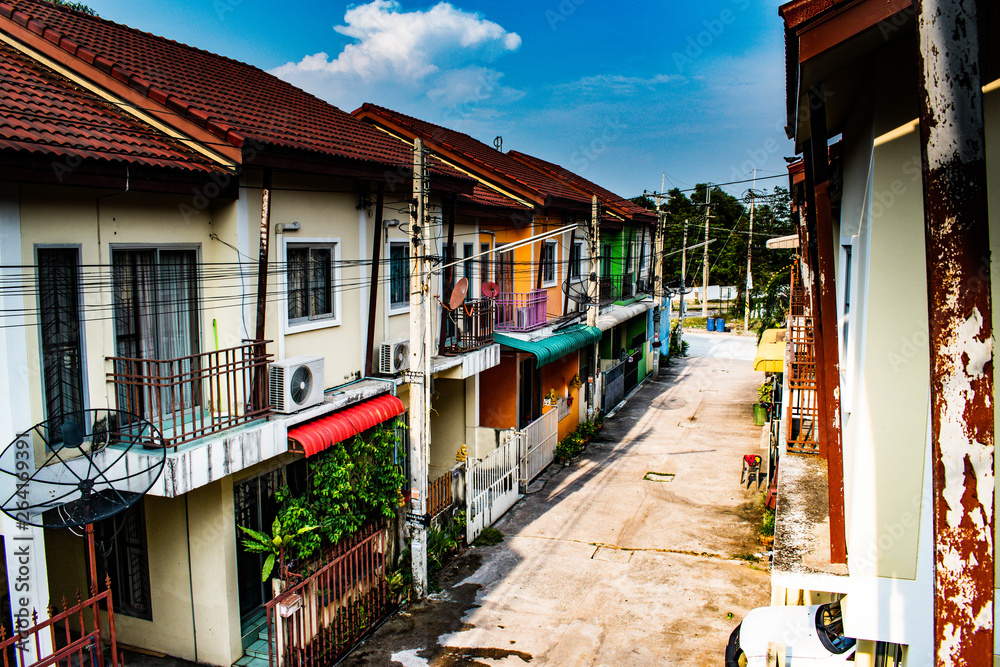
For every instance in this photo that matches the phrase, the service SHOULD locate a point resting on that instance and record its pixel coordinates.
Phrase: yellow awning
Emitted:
(770, 357)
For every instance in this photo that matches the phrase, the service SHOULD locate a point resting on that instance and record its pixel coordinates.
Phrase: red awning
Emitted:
(315, 436)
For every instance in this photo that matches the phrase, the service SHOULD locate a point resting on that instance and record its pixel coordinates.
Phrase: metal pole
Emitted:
(957, 241)
(684, 273)
(420, 380)
(746, 299)
(704, 268)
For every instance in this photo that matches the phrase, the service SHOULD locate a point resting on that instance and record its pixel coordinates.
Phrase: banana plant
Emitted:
(273, 545)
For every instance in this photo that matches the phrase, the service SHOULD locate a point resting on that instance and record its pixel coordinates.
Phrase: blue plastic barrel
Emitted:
(720, 324)
(710, 324)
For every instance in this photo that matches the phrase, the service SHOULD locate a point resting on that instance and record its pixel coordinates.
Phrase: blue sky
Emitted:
(619, 92)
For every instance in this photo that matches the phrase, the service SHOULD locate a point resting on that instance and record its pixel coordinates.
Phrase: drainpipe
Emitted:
(259, 375)
(373, 288)
(957, 241)
(280, 230)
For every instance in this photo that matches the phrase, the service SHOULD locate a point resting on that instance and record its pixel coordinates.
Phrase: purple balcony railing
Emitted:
(522, 311)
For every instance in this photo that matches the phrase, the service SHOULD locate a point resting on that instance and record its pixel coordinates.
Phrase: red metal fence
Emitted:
(318, 620)
(194, 396)
(74, 635)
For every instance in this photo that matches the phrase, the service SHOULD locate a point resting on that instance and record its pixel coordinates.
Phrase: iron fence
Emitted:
(317, 621)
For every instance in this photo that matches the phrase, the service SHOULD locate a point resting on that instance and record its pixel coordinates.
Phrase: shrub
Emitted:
(489, 537)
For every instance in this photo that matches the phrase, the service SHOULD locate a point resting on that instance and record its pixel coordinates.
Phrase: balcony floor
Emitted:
(802, 523)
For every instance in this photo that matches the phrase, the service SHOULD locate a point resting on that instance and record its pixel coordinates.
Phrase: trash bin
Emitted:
(720, 324)
(710, 324)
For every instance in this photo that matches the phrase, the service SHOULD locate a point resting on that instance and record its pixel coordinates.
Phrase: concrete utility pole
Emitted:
(421, 352)
(658, 281)
(704, 269)
(684, 274)
(957, 234)
(746, 300)
(595, 296)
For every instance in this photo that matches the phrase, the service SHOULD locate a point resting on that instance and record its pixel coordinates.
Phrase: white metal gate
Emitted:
(538, 445)
(491, 487)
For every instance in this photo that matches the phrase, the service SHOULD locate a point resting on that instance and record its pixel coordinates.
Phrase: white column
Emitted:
(27, 574)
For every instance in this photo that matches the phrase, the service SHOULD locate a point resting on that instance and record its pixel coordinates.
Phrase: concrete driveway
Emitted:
(635, 554)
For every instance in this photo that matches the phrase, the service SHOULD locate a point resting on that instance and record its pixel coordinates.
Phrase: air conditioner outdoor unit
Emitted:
(394, 356)
(295, 383)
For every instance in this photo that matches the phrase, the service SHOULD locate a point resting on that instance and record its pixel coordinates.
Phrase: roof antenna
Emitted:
(498, 143)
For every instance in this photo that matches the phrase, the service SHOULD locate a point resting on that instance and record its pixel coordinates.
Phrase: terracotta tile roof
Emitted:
(484, 196)
(493, 163)
(44, 114)
(232, 100)
(630, 208)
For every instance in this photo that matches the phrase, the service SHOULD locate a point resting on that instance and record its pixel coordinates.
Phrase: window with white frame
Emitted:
(576, 260)
(311, 282)
(399, 275)
(549, 263)
(61, 331)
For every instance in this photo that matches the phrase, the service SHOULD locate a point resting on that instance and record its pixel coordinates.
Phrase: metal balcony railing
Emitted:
(194, 396)
(470, 326)
(522, 311)
(617, 288)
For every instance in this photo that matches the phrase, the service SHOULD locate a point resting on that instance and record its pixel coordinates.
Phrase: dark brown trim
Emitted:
(824, 285)
(373, 285)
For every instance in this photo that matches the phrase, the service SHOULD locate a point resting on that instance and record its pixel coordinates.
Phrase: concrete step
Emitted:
(251, 661)
(257, 649)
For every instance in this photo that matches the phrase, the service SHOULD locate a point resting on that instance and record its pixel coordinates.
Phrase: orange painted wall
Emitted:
(498, 394)
(557, 375)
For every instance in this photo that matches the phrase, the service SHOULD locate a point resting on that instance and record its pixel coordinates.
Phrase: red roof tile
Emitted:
(233, 100)
(492, 162)
(630, 208)
(45, 114)
(484, 196)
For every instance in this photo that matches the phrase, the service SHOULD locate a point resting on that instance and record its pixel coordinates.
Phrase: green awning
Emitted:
(555, 346)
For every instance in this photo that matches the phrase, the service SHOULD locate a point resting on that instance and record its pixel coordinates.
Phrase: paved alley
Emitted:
(631, 555)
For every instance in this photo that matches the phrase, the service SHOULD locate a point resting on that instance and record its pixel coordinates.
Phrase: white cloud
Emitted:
(603, 85)
(437, 54)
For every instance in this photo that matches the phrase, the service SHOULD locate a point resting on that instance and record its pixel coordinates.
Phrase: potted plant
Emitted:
(762, 408)
(273, 545)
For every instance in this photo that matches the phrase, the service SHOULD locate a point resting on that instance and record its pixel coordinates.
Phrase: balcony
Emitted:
(469, 327)
(617, 288)
(522, 311)
(195, 396)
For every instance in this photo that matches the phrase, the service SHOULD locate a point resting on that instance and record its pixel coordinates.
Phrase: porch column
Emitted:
(24, 546)
(956, 230)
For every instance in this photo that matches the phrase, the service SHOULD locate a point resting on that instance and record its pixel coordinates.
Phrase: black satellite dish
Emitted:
(79, 468)
(579, 291)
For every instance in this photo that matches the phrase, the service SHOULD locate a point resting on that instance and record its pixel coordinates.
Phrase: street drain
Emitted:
(659, 477)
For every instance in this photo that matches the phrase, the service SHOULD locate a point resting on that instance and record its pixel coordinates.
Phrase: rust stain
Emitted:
(960, 309)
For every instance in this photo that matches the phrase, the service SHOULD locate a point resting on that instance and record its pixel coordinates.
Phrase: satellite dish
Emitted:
(79, 468)
(579, 291)
(301, 384)
(458, 294)
(491, 290)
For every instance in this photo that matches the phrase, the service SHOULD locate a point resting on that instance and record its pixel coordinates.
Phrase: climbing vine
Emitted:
(349, 485)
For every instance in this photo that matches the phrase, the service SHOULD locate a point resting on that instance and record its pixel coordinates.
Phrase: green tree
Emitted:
(76, 6)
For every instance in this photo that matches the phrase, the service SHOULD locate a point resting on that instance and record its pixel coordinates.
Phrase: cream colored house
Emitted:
(139, 181)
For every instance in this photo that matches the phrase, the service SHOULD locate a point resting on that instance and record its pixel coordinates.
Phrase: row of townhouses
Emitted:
(178, 230)
(885, 488)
